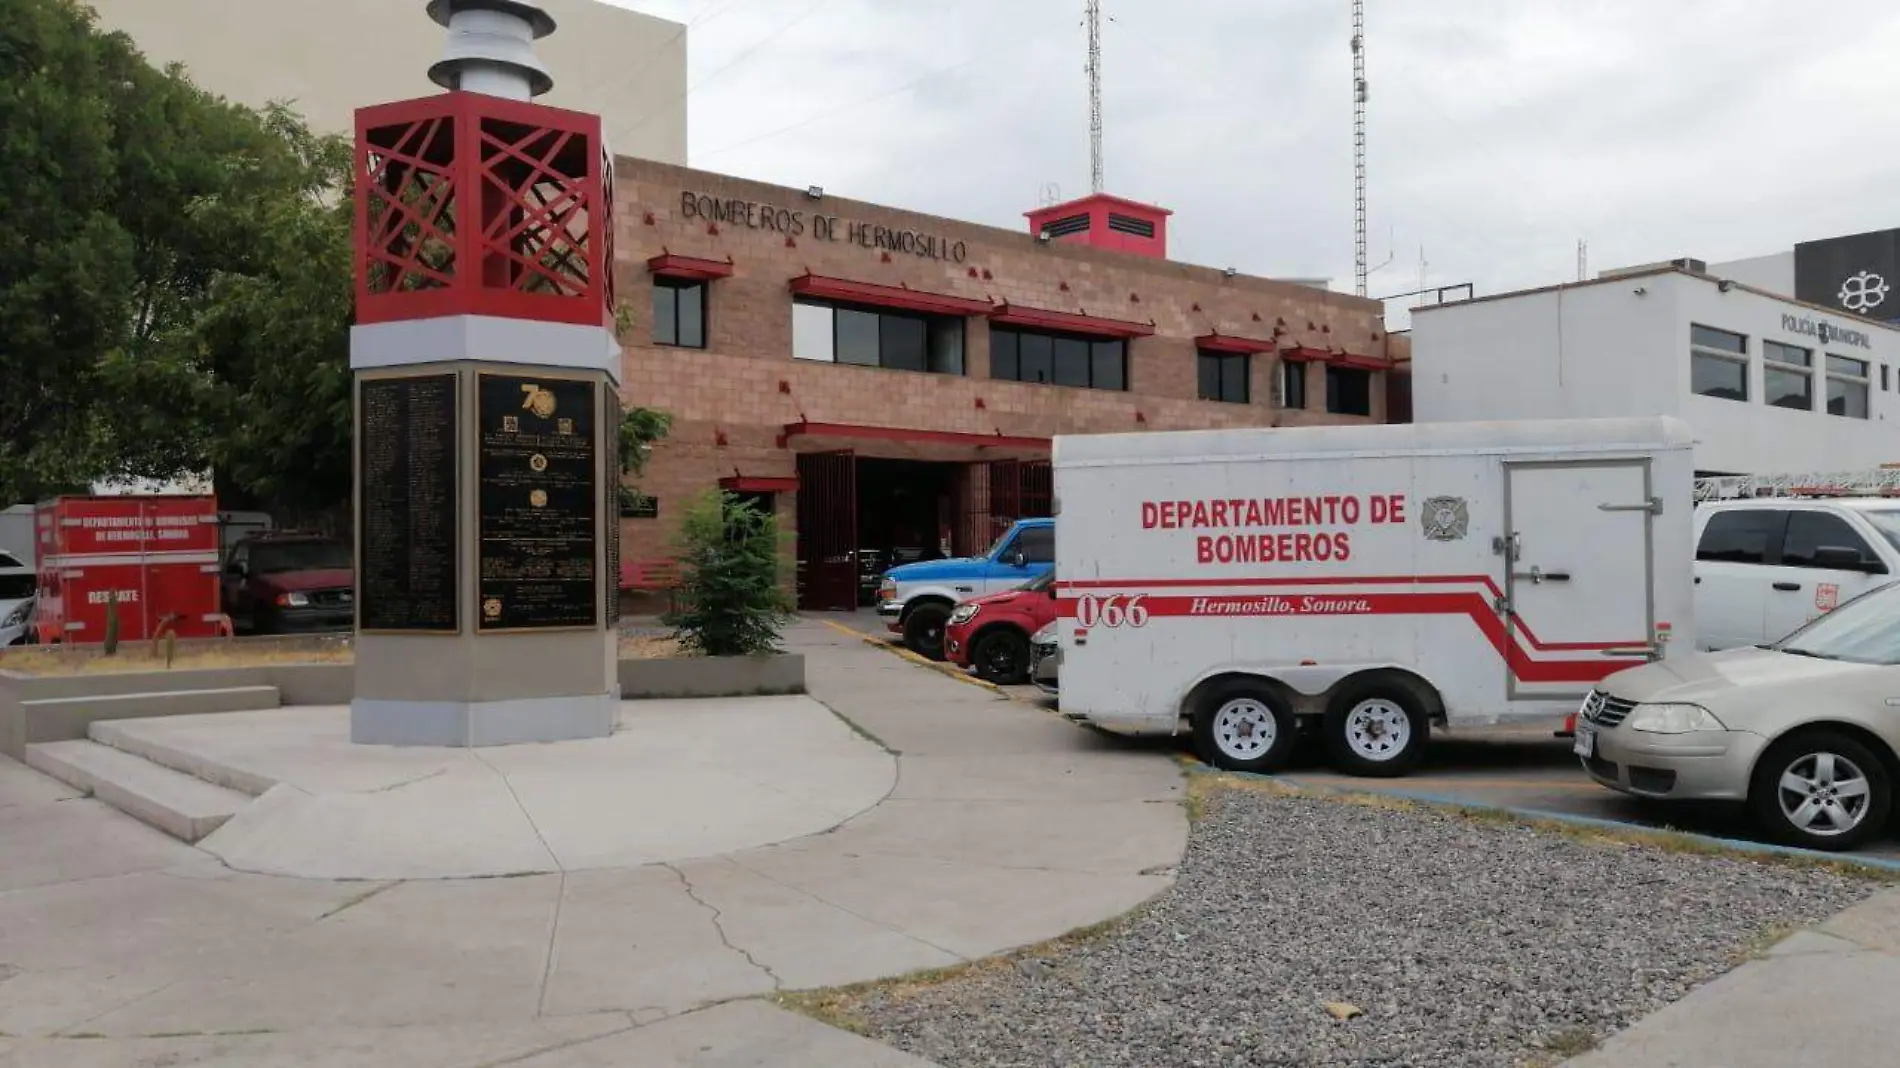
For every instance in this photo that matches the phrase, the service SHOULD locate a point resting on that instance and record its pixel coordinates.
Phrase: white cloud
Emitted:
(1501, 131)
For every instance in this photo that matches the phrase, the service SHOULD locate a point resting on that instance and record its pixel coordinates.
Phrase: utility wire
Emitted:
(735, 61)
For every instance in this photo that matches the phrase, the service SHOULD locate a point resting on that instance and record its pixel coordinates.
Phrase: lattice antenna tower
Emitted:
(1095, 95)
(1360, 266)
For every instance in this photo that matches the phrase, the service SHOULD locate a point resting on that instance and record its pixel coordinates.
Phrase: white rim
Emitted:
(1824, 794)
(1245, 729)
(1378, 730)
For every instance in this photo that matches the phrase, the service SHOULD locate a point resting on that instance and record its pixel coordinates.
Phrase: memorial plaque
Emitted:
(610, 429)
(539, 502)
(406, 560)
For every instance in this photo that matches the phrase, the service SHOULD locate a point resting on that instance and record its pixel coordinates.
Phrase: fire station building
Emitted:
(888, 383)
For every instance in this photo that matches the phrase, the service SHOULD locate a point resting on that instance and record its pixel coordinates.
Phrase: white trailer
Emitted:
(1365, 582)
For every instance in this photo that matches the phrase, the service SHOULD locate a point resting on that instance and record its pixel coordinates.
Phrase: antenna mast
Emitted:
(1359, 265)
(1095, 95)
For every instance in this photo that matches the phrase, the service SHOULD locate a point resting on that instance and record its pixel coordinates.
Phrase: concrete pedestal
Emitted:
(487, 475)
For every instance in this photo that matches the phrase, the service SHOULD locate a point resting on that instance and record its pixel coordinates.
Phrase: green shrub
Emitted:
(729, 600)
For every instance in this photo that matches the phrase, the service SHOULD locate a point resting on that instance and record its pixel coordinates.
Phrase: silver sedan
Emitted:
(1806, 732)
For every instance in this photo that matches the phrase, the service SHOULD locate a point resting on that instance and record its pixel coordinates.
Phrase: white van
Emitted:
(1367, 582)
(1765, 567)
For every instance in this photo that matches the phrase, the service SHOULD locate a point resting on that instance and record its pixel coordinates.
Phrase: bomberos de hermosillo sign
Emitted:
(792, 222)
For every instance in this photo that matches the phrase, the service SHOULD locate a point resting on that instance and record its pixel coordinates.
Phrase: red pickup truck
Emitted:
(991, 634)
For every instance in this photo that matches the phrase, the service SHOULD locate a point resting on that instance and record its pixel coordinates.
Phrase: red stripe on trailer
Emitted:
(1490, 586)
(1516, 658)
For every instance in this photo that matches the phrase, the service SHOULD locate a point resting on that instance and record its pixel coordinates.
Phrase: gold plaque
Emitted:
(538, 462)
(539, 498)
(492, 608)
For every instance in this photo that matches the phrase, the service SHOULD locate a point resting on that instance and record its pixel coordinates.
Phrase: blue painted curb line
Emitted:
(1737, 844)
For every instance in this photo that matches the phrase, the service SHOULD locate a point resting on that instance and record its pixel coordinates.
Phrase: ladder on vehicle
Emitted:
(1882, 481)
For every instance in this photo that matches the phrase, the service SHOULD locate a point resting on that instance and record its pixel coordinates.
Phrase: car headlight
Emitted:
(293, 599)
(18, 617)
(1673, 719)
(964, 613)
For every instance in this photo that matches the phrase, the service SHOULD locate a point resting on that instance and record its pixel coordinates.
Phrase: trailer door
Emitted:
(1578, 602)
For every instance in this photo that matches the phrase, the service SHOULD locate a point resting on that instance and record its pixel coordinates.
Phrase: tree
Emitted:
(730, 601)
(174, 274)
(640, 430)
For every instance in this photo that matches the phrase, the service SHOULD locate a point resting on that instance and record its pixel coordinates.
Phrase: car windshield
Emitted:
(10, 560)
(267, 559)
(1887, 521)
(1040, 582)
(1865, 630)
(16, 587)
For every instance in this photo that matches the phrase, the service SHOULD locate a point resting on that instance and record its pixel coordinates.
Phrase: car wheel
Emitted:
(1822, 790)
(923, 630)
(1001, 656)
(1376, 730)
(1245, 727)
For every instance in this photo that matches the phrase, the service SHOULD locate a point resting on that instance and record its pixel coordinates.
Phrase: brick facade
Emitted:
(732, 400)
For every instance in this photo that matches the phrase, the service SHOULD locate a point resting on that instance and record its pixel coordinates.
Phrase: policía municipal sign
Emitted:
(1824, 332)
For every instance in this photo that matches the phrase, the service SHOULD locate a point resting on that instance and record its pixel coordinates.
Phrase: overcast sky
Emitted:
(1501, 131)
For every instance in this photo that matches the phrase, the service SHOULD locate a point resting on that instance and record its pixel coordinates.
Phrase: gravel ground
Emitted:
(1467, 944)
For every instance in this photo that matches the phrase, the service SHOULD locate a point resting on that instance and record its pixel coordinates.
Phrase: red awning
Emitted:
(842, 289)
(905, 434)
(1009, 315)
(759, 484)
(1303, 354)
(1217, 342)
(689, 268)
(1360, 363)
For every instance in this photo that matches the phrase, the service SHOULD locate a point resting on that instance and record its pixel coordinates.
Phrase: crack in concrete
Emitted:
(359, 899)
(719, 927)
(560, 889)
(873, 921)
(412, 781)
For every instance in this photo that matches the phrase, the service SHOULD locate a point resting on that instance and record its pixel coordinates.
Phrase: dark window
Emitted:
(1718, 363)
(1128, 224)
(1847, 384)
(1068, 224)
(1787, 376)
(1037, 544)
(1886, 384)
(1809, 531)
(1740, 536)
(1224, 376)
(679, 313)
(270, 559)
(1292, 384)
(1057, 359)
(864, 337)
(1348, 391)
(17, 587)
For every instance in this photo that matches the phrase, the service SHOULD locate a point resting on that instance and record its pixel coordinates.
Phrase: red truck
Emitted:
(991, 634)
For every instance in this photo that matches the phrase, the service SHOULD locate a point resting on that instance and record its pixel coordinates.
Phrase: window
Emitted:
(1348, 391)
(1037, 544)
(1292, 384)
(1224, 376)
(273, 558)
(1787, 376)
(1741, 536)
(868, 337)
(1057, 359)
(1718, 363)
(1809, 532)
(679, 313)
(1846, 387)
(9, 560)
(1886, 384)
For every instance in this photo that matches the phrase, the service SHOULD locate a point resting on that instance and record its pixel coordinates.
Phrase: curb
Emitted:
(950, 671)
(1734, 845)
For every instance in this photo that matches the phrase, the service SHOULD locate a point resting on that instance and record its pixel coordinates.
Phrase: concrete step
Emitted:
(134, 736)
(59, 719)
(180, 805)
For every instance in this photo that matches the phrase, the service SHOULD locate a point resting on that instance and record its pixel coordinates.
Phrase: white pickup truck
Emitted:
(1764, 567)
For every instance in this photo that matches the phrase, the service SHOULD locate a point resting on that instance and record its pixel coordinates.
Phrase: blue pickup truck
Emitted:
(915, 600)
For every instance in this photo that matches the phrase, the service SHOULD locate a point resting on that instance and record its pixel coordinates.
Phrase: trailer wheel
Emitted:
(1376, 729)
(1244, 727)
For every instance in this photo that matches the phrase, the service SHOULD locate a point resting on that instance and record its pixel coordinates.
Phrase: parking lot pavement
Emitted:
(1523, 768)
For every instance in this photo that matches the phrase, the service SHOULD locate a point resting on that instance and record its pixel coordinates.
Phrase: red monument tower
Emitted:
(487, 402)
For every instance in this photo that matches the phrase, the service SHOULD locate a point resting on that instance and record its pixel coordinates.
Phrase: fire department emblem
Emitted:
(538, 462)
(540, 400)
(492, 608)
(1445, 518)
(538, 498)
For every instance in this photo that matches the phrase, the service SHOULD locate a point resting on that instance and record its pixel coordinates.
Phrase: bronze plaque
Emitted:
(539, 504)
(406, 561)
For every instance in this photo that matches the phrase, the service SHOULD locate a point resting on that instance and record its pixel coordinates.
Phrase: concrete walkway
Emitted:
(1822, 996)
(120, 946)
